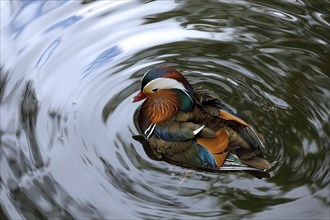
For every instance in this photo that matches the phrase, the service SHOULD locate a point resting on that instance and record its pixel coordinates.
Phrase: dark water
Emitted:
(70, 69)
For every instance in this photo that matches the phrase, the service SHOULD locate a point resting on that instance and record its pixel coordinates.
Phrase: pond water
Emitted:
(69, 70)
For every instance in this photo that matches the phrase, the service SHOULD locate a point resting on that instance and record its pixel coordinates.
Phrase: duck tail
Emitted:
(253, 156)
(252, 137)
(234, 163)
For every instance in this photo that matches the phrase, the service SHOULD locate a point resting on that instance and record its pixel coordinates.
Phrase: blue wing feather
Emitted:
(165, 134)
(205, 157)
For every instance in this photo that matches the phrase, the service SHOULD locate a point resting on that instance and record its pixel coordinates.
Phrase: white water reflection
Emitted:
(67, 121)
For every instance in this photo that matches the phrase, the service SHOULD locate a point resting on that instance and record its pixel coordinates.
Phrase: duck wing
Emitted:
(213, 105)
(196, 146)
(189, 144)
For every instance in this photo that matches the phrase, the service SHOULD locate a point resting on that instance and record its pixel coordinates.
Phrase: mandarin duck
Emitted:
(191, 127)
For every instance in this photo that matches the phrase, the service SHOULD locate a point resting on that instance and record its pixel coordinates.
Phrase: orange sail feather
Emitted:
(217, 146)
(227, 116)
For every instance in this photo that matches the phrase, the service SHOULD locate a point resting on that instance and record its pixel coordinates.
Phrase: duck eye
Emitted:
(155, 90)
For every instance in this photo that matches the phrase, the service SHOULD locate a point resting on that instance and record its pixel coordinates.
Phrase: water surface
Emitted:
(69, 70)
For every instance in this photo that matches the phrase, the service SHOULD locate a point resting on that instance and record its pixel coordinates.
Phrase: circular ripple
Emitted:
(67, 141)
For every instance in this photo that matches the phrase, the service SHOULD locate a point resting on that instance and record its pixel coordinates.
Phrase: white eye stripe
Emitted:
(163, 83)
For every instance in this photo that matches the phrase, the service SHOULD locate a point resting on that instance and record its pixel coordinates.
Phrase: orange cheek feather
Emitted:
(161, 105)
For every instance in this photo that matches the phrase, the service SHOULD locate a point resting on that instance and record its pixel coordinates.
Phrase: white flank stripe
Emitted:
(149, 130)
(198, 130)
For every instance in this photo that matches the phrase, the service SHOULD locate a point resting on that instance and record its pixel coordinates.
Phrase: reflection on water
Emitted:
(70, 69)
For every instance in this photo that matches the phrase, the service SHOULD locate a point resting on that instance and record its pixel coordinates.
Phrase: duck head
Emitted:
(166, 91)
